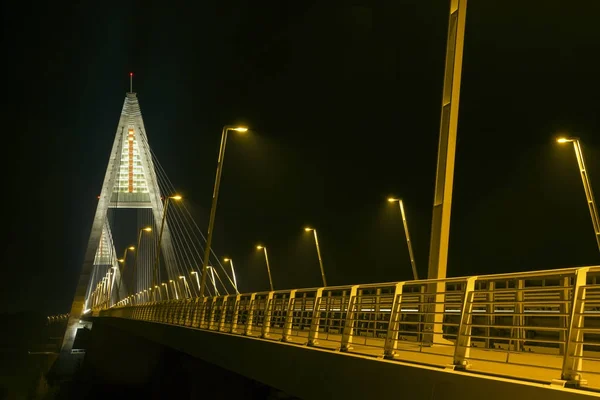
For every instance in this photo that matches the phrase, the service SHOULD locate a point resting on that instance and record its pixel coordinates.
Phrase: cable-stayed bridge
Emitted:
(538, 329)
(525, 334)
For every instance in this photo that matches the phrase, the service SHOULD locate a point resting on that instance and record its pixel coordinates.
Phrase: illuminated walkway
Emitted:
(538, 326)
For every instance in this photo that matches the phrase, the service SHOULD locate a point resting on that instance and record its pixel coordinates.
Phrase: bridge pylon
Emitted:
(130, 182)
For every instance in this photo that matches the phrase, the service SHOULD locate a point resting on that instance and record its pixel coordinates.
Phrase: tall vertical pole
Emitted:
(408, 242)
(268, 268)
(587, 187)
(319, 256)
(162, 227)
(135, 264)
(440, 229)
(213, 208)
(212, 279)
(131, 82)
(442, 202)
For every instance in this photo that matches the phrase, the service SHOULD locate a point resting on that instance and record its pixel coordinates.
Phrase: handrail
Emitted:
(396, 319)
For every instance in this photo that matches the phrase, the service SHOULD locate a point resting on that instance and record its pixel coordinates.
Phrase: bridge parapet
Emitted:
(541, 325)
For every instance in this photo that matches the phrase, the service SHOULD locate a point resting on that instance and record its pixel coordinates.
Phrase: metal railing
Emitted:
(540, 325)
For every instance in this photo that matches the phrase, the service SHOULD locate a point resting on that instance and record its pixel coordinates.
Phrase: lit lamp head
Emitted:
(147, 229)
(564, 140)
(240, 129)
(226, 259)
(193, 272)
(392, 199)
(176, 197)
(164, 284)
(307, 229)
(260, 247)
(131, 248)
(182, 277)
(171, 280)
(121, 260)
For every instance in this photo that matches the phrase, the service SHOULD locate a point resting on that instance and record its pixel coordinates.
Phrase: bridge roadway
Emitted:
(536, 328)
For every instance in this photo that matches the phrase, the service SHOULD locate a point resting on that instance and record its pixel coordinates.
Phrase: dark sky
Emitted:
(344, 102)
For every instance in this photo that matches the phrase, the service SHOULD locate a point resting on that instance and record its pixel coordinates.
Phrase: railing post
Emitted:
(266, 326)
(213, 307)
(572, 359)
(519, 319)
(289, 318)
(223, 314)
(195, 312)
(236, 313)
(313, 334)
(249, 317)
(490, 309)
(564, 309)
(349, 320)
(391, 338)
(188, 313)
(463, 338)
(205, 302)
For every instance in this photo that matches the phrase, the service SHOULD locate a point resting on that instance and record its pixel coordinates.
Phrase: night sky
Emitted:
(343, 100)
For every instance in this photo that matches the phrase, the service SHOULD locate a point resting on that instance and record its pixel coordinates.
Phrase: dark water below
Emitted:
(126, 370)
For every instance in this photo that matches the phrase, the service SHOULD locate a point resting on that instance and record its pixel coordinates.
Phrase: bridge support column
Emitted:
(266, 325)
(349, 320)
(236, 313)
(313, 334)
(463, 338)
(249, 318)
(391, 339)
(289, 318)
(572, 359)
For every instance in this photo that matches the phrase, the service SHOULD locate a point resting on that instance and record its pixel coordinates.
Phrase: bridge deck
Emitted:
(535, 365)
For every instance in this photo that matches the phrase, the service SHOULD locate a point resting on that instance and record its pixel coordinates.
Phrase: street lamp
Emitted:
(212, 279)
(260, 247)
(122, 272)
(213, 208)
(147, 230)
(197, 279)
(587, 187)
(162, 227)
(185, 286)
(166, 289)
(174, 288)
(408, 242)
(230, 261)
(307, 229)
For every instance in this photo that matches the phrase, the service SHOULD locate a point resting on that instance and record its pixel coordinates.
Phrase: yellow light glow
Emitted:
(164, 284)
(563, 140)
(193, 272)
(226, 259)
(121, 260)
(391, 199)
(307, 229)
(182, 277)
(148, 229)
(170, 280)
(259, 247)
(176, 197)
(131, 248)
(240, 129)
